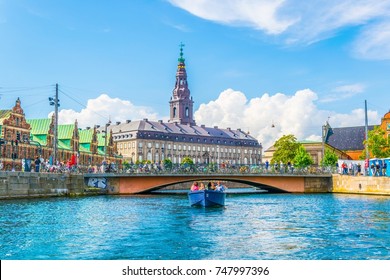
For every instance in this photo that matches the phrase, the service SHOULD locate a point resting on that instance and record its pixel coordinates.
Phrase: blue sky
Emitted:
(250, 63)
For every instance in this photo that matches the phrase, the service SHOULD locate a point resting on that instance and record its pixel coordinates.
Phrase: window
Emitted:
(174, 112)
(187, 112)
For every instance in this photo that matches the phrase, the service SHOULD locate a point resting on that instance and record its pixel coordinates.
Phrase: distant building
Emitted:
(350, 139)
(154, 141)
(314, 148)
(22, 139)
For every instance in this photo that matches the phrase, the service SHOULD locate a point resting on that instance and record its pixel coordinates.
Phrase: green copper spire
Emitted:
(181, 58)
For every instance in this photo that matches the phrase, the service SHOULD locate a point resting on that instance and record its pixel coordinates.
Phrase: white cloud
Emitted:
(258, 14)
(374, 42)
(343, 92)
(98, 111)
(297, 114)
(304, 22)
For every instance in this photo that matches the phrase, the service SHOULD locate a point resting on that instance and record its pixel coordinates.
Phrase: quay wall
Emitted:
(28, 185)
(360, 184)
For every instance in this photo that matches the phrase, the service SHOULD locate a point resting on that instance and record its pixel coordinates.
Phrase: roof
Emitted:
(4, 114)
(39, 126)
(85, 135)
(348, 138)
(133, 129)
(65, 131)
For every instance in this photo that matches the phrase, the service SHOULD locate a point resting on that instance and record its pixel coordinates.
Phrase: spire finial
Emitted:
(181, 58)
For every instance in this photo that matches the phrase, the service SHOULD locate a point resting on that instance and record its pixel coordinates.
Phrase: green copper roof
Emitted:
(85, 136)
(101, 139)
(181, 58)
(4, 114)
(85, 148)
(64, 145)
(41, 139)
(65, 131)
(39, 126)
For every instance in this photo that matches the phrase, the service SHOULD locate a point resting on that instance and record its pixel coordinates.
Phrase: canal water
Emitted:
(165, 227)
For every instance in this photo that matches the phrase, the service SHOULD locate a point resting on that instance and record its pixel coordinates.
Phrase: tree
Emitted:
(285, 149)
(167, 164)
(187, 161)
(377, 143)
(187, 164)
(302, 158)
(330, 158)
(126, 164)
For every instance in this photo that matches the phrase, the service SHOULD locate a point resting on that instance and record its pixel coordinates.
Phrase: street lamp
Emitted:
(105, 139)
(54, 101)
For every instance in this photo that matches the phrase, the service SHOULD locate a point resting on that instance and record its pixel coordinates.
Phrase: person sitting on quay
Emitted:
(195, 187)
(384, 167)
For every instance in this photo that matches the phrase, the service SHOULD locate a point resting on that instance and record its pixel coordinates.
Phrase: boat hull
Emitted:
(207, 198)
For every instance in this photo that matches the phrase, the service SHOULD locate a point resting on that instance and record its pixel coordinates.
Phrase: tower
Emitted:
(181, 103)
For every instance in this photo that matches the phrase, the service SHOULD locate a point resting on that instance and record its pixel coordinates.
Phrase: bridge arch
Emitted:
(143, 183)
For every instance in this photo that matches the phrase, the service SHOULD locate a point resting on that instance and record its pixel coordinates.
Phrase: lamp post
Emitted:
(105, 139)
(54, 101)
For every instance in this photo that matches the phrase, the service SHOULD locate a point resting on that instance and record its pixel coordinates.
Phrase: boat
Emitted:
(207, 198)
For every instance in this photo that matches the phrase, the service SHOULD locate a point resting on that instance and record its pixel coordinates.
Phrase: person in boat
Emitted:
(211, 186)
(201, 187)
(195, 187)
(220, 187)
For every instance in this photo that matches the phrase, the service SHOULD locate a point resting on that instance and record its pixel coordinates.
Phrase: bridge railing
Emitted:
(201, 169)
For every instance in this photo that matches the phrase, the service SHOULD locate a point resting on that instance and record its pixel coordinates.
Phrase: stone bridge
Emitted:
(143, 183)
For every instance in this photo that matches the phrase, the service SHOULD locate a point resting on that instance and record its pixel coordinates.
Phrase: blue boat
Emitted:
(207, 198)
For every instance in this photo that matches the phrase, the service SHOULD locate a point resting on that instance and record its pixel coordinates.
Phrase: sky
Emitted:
(268, 67)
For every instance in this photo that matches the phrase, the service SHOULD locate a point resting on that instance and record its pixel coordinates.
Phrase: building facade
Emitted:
(154, 141)
(23, 140)
(351, 139)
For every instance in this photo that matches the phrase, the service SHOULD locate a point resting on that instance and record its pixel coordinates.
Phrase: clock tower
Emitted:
(181, 103)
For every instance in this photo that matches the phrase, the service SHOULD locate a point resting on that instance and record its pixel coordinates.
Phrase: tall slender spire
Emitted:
(181, 104)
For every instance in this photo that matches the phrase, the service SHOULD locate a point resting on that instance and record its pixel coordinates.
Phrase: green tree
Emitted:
(302, 158)
(187, 164)
(285, 149)
(377, 143)
(330, 158)
(187, 161)
(126, 164)
(167, 164)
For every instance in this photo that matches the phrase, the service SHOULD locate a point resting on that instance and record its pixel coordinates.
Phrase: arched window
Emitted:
(187, 111)
(174, 112)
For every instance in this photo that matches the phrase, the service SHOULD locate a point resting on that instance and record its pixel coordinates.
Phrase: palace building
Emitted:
(154, 141)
